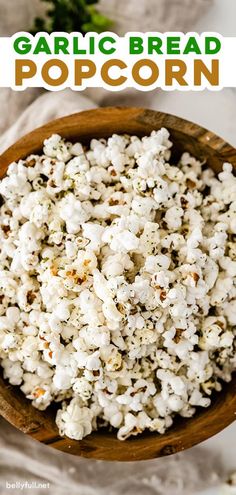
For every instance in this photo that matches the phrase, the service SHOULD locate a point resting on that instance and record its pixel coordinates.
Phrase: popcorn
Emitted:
(72, 212)
(12, 371)
(154, 263)
(74, 421)
(93, 232)
(62, 378)
(83, 388)
(120, 241)
(115, 265)
(173, 217)
(117, 282)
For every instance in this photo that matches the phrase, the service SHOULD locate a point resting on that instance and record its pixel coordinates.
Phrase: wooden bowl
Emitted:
(186, 432)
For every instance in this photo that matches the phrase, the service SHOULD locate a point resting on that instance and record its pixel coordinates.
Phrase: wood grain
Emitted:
(186, 432)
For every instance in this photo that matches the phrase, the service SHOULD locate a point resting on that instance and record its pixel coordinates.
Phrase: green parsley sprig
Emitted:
(72, 15)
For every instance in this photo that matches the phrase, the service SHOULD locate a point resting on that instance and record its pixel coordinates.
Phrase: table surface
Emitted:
(222, 490)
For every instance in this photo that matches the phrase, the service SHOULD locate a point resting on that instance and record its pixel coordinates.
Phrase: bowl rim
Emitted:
(104, 445)
(172, 122)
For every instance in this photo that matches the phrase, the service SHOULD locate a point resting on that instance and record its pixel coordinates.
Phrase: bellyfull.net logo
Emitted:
(26, 485)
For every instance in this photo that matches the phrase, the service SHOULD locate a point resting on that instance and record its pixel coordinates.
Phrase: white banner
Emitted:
(144, 61)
